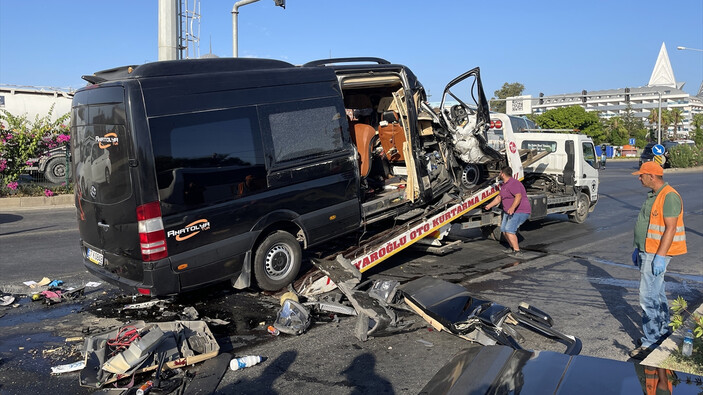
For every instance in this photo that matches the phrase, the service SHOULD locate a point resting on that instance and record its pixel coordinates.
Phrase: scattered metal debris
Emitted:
(450, 307)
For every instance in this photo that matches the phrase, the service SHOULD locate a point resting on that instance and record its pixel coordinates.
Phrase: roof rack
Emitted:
(185, 66)
(326, 62)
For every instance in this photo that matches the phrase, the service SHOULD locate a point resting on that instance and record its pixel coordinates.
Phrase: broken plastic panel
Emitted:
(293, 318)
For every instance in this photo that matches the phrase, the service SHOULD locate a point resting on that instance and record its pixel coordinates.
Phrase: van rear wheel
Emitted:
(277, 261)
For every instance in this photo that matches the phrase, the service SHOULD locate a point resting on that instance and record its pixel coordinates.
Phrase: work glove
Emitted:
(636, 257)
(658, 265)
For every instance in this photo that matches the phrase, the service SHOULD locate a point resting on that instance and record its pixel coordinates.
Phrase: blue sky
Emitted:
(548, 46)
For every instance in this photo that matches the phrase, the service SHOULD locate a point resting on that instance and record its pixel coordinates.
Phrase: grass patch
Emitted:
(692, 364)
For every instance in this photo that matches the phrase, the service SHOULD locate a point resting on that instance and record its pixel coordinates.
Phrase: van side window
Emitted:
(550, 146)
(303, 132)
(208, 157)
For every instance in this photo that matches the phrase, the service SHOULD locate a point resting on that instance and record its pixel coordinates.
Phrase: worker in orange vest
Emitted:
(659, 235)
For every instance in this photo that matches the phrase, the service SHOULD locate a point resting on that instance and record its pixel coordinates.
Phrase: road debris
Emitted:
(33, 284)
(6, 300)
(190, 313)
(143, 305)
(425, 343)
(245, 362)
(293, 318)
(67, 368)
(139, 347)
(373, 315)
(450, 307)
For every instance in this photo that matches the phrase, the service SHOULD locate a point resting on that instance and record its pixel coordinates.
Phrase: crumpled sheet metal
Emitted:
(373, 315)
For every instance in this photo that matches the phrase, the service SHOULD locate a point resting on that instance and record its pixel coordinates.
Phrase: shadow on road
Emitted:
(614, 300)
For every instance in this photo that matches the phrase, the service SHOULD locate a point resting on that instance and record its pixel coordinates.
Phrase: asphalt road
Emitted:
(579, 273)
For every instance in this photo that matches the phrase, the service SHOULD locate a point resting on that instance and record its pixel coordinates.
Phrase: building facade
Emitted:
(662, 89)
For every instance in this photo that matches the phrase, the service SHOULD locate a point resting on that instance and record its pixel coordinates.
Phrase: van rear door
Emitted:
(104, 198)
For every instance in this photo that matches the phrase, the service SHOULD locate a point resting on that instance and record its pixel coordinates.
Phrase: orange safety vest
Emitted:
(655, 231)
(651, 379)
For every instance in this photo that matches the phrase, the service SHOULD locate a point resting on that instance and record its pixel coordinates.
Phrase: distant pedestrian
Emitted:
(516, 209)
(659, 235)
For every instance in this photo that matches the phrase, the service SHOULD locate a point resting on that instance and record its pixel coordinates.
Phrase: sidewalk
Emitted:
(36, 201)
(671, 344)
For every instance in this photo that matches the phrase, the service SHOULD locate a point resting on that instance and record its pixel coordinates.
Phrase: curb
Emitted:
(671, 344)
(37, 201)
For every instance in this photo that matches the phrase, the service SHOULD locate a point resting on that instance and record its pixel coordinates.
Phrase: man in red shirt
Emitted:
(516, 209)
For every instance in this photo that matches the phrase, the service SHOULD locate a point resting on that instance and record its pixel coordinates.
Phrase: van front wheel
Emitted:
(277, 261)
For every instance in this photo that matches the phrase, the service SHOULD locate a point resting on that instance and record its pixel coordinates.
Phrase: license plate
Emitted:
(94, 256)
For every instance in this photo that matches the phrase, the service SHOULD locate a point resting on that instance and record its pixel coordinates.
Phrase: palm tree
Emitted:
(653, 119)
(676, 116)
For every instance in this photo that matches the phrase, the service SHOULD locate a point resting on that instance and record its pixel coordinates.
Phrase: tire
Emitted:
(277, 261)
(491, 232)
(55, 171)
(581, 213)
(470, 176)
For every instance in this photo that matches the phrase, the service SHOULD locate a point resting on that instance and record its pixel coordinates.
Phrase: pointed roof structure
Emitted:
(663, 74)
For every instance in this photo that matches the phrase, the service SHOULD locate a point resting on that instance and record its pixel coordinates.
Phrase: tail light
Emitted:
(152, 237)
(497, 124)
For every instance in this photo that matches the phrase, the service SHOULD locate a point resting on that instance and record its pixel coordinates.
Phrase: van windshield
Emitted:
(99, 145)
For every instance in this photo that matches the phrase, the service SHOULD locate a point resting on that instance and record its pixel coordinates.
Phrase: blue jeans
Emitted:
(510, 223)
(655, 307)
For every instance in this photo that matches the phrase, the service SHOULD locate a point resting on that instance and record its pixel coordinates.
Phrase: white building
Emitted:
(608, 103)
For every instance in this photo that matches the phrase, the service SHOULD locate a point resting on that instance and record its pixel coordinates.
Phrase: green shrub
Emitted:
(15, 189)
(685, 155)
(22, 142)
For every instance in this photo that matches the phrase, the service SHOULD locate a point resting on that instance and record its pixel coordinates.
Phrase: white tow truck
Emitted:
(560, 172)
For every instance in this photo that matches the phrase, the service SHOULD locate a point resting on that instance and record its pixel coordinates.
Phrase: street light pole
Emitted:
(690, 49)
(659, 124)
(235, 15)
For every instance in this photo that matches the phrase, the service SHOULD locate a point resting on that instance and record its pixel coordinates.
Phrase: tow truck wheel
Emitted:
(55, 171)
(582, 204)
(491, 232)
(277, 261)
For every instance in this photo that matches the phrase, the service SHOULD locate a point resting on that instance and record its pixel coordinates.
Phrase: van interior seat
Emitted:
(364, 137)
(392, 136)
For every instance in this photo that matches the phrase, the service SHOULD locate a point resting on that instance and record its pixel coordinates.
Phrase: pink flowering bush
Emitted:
(48, 193)
(12, 185)
(22, 141)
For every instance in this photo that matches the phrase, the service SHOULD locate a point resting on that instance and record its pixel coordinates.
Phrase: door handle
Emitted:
(104, 225)
(584, 176)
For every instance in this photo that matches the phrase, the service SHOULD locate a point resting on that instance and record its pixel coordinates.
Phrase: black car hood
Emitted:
(502, 370)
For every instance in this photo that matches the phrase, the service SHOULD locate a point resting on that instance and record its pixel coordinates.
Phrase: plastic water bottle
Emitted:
(244, 362)
(687, 348)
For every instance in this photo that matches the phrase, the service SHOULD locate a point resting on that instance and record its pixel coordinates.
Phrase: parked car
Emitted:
(647, 154)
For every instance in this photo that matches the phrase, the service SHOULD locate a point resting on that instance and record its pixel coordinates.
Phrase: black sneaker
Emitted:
(640, 353)
(518, 254)
(508, 251)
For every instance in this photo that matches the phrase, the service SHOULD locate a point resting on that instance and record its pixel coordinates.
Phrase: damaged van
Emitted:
(192, 172)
